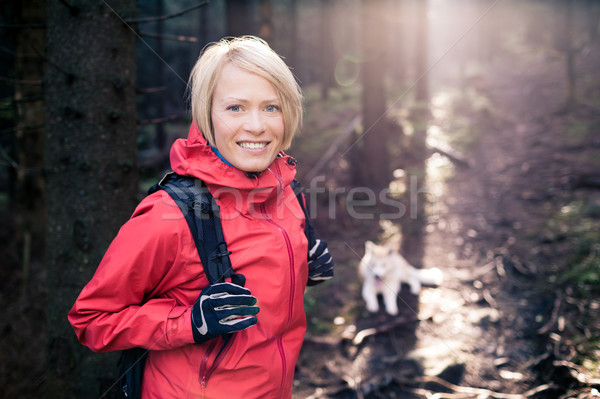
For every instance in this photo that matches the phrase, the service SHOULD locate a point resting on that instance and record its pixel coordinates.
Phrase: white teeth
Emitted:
(253, 146)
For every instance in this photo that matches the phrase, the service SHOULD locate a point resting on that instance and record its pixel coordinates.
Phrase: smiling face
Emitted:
(247, 120)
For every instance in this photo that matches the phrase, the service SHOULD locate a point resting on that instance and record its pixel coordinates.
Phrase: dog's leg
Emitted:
(390, 299)
(415, 285)
(369, 294)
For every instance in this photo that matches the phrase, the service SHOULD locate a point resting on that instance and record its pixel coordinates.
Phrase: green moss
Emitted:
(318, 322)
(577, 131)
(575, 228)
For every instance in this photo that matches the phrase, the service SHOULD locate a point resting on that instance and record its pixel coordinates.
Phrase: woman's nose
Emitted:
(254, 123)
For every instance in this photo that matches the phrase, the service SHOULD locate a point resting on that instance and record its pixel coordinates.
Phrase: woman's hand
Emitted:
(320, 263)
(222, 308)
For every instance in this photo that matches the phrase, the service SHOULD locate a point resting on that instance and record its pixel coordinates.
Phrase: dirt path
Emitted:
(481, 328)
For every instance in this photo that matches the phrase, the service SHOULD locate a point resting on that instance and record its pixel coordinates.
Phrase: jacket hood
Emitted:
(194, 157)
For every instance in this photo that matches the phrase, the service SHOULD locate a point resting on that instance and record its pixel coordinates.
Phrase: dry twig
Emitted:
(578, 372)
(546, 327)
(361, 335)
(469, 392)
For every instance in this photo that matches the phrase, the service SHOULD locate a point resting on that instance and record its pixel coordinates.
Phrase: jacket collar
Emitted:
(194, 157)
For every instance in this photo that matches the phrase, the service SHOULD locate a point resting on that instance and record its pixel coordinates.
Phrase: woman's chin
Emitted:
(253, 162)
(254, 166)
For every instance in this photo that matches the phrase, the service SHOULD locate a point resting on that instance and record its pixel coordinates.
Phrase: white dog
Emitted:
(384, 270)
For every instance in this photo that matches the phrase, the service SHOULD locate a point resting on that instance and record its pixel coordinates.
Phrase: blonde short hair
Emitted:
(251, 54)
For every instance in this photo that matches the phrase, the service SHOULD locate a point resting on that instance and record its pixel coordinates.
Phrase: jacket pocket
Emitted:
(216, 350)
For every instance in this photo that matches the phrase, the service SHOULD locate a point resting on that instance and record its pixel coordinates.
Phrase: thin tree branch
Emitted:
(361, 335)
(333, 148)
(554, 316)
(452, 155)
(578, 372)
(589, 107)
(31, 99)
(15, 54)
(177, 38)
(165, 17)
(20, 81)
(163, 119)
(12, 163)
(480, 392)
(74, 10)
(150, 90)
(21, 129)
(42, 56)
(22, 26)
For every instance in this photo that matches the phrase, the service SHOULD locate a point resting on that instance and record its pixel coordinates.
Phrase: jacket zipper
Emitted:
(283, 366)
(288, 245)
(205, 372)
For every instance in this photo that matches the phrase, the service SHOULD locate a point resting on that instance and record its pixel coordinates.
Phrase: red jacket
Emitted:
(143, 290)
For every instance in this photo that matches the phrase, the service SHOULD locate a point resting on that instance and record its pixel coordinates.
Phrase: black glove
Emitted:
(222, 308)
(320, 263)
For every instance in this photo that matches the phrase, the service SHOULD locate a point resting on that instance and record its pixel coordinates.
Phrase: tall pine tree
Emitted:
(90, 164)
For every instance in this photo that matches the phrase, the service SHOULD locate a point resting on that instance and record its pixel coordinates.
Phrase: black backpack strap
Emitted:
(202, 215)
(320, 263)
(203, 218)
(131, 369)
(309, 230)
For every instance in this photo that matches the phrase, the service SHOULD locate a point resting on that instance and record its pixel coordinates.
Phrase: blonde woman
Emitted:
(150, 291)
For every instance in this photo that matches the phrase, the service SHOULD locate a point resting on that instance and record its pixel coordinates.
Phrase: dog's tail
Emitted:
(433, 276)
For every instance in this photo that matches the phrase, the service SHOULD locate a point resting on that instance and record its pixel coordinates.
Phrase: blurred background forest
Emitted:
(481, 118)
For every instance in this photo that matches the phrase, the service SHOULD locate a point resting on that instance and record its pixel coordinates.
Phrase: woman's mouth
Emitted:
(253, 145)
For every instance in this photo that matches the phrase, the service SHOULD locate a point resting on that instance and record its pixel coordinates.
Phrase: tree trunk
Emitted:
(91, 167)
(29, 100)
(266, 21)
(397, 29)
(570, 53)
(563, 42)
(161, 138)
(412, 229)
(292, 56)
(593, 18)
(327, 50)
(375, 157)
(241, 18)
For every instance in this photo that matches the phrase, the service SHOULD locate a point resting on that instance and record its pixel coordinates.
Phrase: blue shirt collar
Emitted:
(220, 156)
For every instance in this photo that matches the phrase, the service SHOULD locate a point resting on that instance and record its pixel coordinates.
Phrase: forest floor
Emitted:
(504, 323)
(494, 327)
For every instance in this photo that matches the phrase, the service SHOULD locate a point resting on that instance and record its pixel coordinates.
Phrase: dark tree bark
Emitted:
(412, 228)
(570, 53)
(161, 139)
(241, 18)
(375, 161)
(327, 50)
(593, 18)
(421, 46)
(563, 42)
(396, 40)
(266, 21)
(292, 57)
(91, 167)
(29, 100)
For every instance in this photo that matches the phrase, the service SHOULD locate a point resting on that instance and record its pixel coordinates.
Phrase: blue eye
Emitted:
(272, 108)
(234, 108)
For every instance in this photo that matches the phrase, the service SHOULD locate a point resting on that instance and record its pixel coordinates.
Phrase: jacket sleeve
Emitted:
(122, 306)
